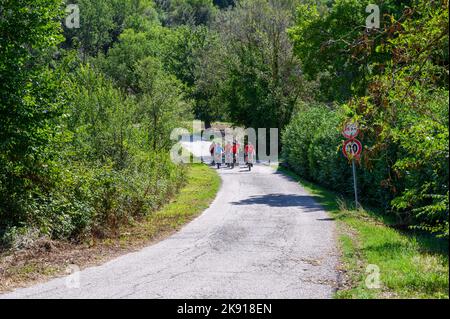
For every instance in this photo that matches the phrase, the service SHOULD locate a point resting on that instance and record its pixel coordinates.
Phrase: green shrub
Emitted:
(407, 177)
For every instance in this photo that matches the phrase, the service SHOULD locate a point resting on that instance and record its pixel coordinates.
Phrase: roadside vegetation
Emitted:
(45, 258)
(86, 113)
(411, 264)
(393, 82)
(85, 138)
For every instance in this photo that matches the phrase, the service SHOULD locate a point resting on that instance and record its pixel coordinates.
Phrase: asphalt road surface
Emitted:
(262, 237)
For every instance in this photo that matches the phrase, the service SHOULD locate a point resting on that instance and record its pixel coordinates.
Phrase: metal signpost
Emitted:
(352, 149)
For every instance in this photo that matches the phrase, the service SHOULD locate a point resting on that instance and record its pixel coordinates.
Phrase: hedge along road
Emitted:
(262, 237)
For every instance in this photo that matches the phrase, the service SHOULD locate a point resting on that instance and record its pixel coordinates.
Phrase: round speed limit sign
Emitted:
(352, 148)
(351, 130)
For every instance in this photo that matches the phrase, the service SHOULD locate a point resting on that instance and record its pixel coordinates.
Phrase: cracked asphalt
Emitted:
(262, 237)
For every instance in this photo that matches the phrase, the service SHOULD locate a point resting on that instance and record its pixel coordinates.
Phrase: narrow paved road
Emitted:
(262, 237)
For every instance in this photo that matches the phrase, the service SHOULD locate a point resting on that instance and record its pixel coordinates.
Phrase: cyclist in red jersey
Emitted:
(236, 146)
(211, 151)
(249, 152)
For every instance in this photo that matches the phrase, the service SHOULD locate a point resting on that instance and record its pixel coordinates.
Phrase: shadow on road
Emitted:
(282, 200)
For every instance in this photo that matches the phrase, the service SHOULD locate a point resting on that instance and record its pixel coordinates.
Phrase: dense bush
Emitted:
(311, 148)
(423, 164)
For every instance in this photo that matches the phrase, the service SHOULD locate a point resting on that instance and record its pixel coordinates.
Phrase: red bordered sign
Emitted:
(351, 130)
(352, 148)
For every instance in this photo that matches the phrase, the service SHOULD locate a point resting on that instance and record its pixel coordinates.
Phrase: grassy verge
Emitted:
(410, 264)
(47, 259)
(201, 188)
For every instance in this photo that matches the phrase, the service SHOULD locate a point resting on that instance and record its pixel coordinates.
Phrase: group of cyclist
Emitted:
(230, 154)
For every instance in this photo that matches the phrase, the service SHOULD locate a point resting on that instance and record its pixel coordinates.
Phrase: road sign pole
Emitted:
(354, 183)
(351, 131)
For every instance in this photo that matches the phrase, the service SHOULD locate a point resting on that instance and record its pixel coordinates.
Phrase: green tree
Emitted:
(188, 12)
(103, 21)
(120, 62)
(96, 27)
(188, 55)
(405, 115)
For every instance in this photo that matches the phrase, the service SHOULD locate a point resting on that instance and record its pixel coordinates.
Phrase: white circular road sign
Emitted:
(351, 130)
